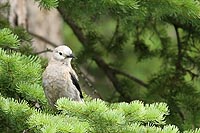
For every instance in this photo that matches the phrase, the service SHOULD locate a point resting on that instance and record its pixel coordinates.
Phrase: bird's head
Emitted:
(63, 54)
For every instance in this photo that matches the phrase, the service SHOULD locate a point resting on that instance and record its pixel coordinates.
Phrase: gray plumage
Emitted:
(59, 79)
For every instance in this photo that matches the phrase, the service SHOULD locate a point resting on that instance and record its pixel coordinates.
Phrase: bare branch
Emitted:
(140, 82)
(42, 39)
(111, 76)
(44, 51)
(93, 92)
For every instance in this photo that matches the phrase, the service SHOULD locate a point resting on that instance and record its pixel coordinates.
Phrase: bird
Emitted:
(59, 78)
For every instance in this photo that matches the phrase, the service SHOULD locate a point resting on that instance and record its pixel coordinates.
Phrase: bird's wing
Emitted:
(75, 82)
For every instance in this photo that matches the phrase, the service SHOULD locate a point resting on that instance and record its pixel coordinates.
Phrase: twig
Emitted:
(44, 51)
(192, 74)
(140, 82)
(179, 46)
(89, 83)
(115, 33)
(42, 39)
(111, 76)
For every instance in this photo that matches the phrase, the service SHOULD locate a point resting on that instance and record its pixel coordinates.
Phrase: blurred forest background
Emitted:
(126, 50)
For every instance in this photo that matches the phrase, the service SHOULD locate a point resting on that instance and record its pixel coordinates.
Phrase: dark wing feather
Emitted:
(75, 82)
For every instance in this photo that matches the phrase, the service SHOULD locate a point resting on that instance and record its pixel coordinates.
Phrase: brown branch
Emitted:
(192, 74)
(111, 76)
(140, 82)
(42, 39)
(44, 51)
(188, 27)
(179, 46)
(93, 92)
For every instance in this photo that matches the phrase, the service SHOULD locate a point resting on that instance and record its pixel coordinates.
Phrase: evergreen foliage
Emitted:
(21, 76)
(94, 116)
(14, 115)
(48, 4)
(8, 39)
(144, 27)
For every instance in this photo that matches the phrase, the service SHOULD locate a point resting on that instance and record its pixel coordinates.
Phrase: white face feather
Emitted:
(60, 53)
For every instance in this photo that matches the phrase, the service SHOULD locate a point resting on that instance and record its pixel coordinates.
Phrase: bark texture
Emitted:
(44, 23)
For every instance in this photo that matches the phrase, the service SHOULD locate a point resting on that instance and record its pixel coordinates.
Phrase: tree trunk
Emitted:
(45, 23)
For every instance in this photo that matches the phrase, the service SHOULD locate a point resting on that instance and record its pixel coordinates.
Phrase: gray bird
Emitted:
(59, 79)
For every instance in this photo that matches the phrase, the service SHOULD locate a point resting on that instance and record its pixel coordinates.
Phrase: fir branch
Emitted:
(15, 114)
(98, 112)
(179, 46)
(197, 49)
(17, 68)
(42, 122)
(115, 32)
(8, 39)
(48, 4)
(194, 29)
(192, 74)
(180, 54)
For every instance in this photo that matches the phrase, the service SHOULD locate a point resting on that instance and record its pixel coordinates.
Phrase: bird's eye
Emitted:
(60, 53)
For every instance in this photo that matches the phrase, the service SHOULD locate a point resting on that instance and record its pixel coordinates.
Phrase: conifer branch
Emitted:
(186, 26)
(179, 46)
(179, 67)
(192, 74)
(115, 33)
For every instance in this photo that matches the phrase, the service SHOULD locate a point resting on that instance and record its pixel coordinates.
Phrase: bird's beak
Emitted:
(70, 56)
